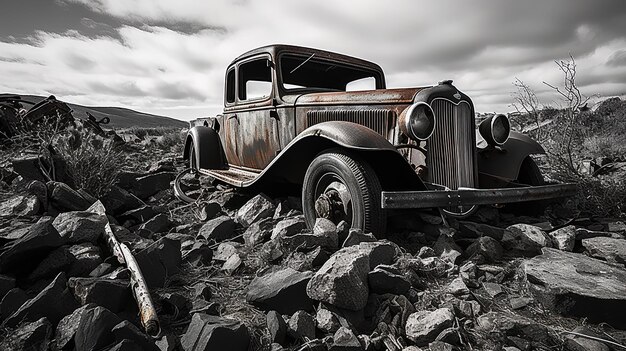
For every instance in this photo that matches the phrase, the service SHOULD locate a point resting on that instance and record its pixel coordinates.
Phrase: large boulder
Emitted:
(94, 329)
(574, 284)
(423, 327)
(30, 336)
(26, 252)
(255, 209)
(342, 280)
(80, 226)
(160, 261)
(206, 332)
(218, 229)
(283, 291)
(608, 249)
(525, 239)
(53, 302)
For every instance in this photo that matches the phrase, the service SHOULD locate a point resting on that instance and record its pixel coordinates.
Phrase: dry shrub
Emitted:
(602, 197)
(92, 161)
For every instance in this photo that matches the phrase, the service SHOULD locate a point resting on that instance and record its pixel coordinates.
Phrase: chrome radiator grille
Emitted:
(381, 121)
(450, 158)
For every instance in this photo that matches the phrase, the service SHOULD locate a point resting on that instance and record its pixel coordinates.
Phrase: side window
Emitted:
(255, 80)
(230, 86)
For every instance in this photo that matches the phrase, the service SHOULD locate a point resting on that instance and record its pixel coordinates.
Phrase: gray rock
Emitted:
(53, 302)
(102, 269)
(326, 228)
(492, 289)
(580, 343)
(387, 279)
(423, 327)
(307, 242)
(85, 258)
(458, 287)
(255, 209)
(476, 230)
(485, 250)
(519, 302)
(11, 301)
(65, 198)
(80, 226)
(24, 253)
(167, 342)
(218, 229)
(345, 340)
(66, 329)
(118, 200)
(224, 251)
(157, 224)
(202, 291)
(302, 325)
(276, 326)
(94, 329)
(574, 284)
(200, 254)
(125, 330)
(342, 280)
(425, 252)
(356, 236)
(379, 252)
(30, 336)
(525, 239)
(20, 206)
(135, 242)
(160, 261)
(564, 238)
(608, 249)
(446, 248)
(150, 184)
(113, 294)
(259, 232)
(288, 227)
(513, 325)
(326, 321)
(231, 265)
(283, 291)
(206, 332)
(58, 260)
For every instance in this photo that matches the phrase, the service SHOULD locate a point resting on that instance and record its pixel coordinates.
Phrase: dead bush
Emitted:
(92, 161)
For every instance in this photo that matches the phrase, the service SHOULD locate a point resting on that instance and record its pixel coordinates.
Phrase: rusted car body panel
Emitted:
(271, 138)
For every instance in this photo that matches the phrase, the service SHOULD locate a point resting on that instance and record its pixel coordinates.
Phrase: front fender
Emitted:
(506, 161)
(392, 169)
(208, 145)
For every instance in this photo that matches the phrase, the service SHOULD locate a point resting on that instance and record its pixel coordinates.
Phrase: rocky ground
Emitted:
(251, 276)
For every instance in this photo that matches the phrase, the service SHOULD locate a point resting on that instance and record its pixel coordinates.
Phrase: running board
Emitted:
(233, 176)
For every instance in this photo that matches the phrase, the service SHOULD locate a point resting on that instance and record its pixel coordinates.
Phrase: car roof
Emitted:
(276, 49)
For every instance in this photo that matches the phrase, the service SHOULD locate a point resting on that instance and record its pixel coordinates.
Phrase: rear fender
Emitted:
(392, 169)
(506, 161)
(208, 145)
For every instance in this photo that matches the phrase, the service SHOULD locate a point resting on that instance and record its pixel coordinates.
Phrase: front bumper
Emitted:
(471, 196)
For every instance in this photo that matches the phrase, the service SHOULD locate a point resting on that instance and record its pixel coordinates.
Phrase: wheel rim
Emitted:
(333, 200)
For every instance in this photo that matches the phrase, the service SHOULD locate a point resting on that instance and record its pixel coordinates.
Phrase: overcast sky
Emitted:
(168, 56)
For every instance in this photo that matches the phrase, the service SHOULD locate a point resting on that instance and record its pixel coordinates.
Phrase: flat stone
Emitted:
(20, 206)
(30, 336)
(53, 302)
(525, 239)
(574, 284)
(66, 329)
(519, 302)
(160, 261)
(206, 332)
(94, 329)
(564, 238)
(423, 327)
(218, 229)
(288, 227)
(283, 291)
(255, 209)
(80, 226)
(276, 326)
(26, 252)
(608, 249)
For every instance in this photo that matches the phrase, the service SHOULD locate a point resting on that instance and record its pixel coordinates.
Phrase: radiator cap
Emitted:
(446, 82)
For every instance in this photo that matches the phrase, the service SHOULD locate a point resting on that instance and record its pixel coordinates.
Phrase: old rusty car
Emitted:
(327, 123)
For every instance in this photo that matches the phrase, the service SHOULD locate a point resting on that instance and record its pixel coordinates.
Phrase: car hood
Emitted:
(382, 96)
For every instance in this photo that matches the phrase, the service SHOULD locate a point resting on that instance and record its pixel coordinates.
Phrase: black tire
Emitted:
(336, 175)
(192, 159)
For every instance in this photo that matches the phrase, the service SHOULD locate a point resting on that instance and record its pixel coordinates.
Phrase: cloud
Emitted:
(171, 56)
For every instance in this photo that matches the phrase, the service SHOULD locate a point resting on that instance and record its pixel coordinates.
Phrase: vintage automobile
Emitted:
(327, 123)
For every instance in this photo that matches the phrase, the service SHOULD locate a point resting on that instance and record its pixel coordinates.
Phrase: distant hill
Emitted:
(120, 117)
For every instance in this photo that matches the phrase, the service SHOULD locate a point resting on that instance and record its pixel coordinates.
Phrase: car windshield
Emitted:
(308, 72)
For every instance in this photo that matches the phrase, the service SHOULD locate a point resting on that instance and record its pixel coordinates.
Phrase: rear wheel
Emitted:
(339, 186)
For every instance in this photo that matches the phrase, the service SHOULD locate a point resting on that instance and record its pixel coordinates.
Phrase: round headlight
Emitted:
(418, 121)
(495, 129)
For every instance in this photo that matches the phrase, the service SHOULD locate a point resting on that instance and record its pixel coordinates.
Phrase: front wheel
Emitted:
(339, 186)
